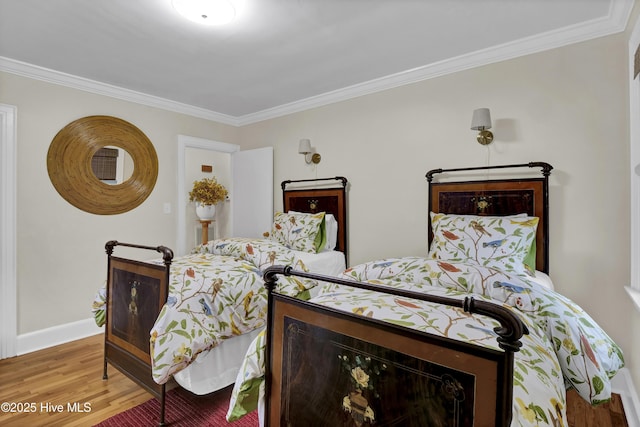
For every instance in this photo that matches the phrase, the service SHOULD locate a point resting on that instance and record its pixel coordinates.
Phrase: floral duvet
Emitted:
(564, 347)
(214, 293)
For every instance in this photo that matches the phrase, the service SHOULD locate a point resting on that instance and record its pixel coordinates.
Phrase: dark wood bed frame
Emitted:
(303, 338)
(137, 290)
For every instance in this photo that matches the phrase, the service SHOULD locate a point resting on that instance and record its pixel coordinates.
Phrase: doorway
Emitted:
(185, 224)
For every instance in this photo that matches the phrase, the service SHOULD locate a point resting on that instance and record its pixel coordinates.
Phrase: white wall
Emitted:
(61, 257)
(567, 107)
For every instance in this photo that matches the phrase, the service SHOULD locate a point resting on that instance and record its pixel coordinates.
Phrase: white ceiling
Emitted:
(281, 56)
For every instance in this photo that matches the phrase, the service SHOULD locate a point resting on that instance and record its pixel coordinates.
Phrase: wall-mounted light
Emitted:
(481, 121)
(310, 155)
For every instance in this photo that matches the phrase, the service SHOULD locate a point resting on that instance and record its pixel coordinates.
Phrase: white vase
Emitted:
(205, 212)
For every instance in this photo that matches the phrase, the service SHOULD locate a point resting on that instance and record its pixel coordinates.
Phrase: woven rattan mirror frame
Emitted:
(69, 165)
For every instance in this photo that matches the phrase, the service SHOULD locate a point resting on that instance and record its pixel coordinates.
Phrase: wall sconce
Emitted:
(481, 121)
(310, 155)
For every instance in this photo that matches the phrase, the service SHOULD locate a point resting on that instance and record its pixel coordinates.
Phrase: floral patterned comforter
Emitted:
(214, 293)
(564, 347)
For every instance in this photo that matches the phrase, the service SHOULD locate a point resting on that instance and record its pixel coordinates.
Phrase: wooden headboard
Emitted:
(495, 197)
(320, 195)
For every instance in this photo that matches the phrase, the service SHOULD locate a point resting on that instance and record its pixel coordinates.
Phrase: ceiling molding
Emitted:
(615, 22)
(56, 77)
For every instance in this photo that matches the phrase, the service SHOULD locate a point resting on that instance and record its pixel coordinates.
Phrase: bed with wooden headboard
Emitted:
(495, 197)
(463, 336)
(190, 318)
(326, 195)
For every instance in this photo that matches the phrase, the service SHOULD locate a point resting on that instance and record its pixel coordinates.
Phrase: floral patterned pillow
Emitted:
(498, 242)
(299, 231)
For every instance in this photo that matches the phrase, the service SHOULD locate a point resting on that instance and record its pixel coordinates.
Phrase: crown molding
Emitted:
(56, 77)
(614, 22)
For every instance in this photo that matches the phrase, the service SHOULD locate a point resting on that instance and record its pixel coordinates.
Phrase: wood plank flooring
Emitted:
(70, 375)
(581, 414)
(65, 375)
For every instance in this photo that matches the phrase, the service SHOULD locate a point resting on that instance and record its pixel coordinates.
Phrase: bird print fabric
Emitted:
(564, 346)
(215, 293)
(588, 357)
(500, 242)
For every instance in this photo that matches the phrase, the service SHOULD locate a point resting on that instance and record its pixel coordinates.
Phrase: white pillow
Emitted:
(542, 279)
(331, 226)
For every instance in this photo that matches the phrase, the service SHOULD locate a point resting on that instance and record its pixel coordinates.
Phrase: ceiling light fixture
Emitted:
(207, 12)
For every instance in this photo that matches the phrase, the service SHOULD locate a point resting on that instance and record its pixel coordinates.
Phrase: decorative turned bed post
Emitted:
(270, 281)
(109, 250)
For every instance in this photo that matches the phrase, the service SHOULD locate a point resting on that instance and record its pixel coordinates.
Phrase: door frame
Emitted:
(8, 217)
(634, 146)
(185, 142)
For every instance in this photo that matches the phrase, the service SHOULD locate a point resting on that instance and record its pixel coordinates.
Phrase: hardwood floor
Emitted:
(55, 384)
(581, 414)
(65, 375)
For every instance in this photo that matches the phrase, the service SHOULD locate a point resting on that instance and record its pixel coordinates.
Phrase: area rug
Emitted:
(182, 409)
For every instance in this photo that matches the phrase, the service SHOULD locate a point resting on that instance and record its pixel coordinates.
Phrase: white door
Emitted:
(252, 193)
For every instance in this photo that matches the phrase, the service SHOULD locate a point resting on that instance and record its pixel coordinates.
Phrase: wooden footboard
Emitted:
(343, 368)
(136, 292)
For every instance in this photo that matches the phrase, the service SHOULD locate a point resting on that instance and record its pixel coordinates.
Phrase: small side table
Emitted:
(205, 231)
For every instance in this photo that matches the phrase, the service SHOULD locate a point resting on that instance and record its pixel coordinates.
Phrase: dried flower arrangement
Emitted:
(207, 191)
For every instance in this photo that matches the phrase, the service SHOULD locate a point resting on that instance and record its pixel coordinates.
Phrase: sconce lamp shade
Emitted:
(310, 155)
(304, 147)
(481, 119)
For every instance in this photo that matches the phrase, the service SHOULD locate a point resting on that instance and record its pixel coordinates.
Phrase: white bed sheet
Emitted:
(219, 367)
(331, 263)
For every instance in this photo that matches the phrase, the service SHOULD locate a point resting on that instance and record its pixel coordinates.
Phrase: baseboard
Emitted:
(56, 335)
(622, 384)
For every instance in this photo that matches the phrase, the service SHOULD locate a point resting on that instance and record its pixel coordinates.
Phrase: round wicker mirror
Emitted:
(69, 165)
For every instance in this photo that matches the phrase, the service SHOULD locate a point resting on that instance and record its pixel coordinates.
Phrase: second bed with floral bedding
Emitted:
(564, 346)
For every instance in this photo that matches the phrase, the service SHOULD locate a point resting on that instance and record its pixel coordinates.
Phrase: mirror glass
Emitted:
(112, 165)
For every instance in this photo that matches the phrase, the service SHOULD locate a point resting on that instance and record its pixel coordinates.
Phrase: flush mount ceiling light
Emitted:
(207, 12)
